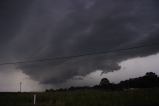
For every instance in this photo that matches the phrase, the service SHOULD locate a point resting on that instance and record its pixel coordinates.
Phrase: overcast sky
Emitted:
(37, 29)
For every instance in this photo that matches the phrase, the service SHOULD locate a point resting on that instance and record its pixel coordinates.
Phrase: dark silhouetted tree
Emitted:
(149, 80)
(104, 82)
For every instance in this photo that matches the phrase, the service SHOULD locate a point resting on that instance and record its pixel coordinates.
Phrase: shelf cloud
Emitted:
(35, 29)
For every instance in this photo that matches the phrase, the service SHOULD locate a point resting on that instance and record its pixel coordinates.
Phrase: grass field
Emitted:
(138, 97)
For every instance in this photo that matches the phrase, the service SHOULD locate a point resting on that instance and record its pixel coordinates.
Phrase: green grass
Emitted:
(140, 97)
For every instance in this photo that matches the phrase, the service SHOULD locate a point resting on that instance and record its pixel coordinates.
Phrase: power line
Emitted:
(76, 56)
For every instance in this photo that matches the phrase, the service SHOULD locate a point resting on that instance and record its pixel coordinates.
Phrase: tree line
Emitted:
(149, 80)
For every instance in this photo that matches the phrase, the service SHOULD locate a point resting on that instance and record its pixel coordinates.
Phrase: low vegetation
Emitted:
(130, 97)
(132, 92)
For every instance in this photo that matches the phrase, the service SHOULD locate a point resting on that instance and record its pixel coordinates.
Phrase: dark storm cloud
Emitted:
(11, 14)
(54, 28)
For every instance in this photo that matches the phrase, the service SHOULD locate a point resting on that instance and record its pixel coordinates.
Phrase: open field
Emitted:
(138, 97)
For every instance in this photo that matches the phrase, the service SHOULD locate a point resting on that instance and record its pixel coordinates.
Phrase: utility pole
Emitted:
(20, 86)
